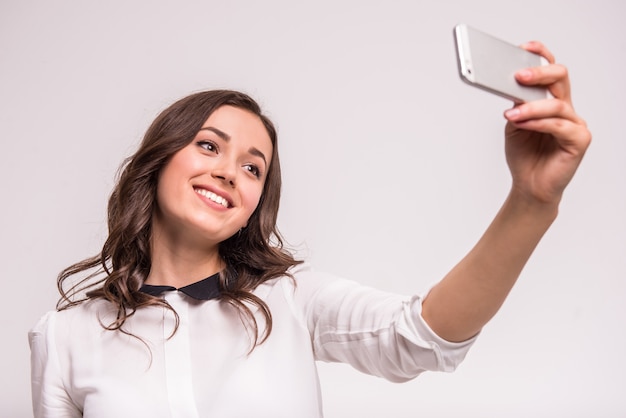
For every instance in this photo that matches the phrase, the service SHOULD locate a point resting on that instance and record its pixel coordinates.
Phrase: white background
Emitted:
(392, 169)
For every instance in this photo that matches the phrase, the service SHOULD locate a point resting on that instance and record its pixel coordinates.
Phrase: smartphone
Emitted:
(490, 64)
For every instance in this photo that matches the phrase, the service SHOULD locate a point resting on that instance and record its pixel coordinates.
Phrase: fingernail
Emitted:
(512, 114)
(525, 74)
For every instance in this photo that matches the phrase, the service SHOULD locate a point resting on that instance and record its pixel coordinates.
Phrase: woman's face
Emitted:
(210, 188)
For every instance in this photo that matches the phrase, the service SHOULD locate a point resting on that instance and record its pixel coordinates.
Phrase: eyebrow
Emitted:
(258, 153)
(217, 132)
(223, 135)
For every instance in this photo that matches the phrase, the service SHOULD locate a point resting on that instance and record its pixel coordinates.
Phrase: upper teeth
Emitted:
(212, 196)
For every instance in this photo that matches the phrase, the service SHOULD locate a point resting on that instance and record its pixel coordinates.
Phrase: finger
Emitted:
(544, 75)
(539, 49)
(572, 135)
(542, 109)
(566, 132)
(553, 76)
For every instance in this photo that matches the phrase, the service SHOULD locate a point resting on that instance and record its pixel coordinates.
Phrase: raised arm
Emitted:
(545, 142)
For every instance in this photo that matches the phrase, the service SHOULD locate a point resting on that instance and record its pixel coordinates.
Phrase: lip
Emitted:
(220, 193)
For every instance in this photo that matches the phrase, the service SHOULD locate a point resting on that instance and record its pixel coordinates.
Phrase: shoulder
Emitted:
(310, 283)
(42, 326)
(301, 280)
(88, 313)
(311, 290)
(294, 288)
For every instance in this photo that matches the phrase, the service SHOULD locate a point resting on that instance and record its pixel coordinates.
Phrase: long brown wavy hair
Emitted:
(252, 256)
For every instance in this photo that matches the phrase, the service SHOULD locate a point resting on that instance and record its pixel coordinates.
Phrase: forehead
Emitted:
(242, 127)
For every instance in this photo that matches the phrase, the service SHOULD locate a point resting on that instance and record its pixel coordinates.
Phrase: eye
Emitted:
(207, 145)
(253, 169)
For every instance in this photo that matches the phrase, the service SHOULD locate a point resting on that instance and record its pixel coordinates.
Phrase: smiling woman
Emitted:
(211, 187)
(165, 206)
(193, 305)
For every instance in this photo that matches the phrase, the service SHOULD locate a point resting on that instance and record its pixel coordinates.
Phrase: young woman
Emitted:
(194, 309)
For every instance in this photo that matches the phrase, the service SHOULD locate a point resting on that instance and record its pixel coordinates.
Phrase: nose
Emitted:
(224, 172)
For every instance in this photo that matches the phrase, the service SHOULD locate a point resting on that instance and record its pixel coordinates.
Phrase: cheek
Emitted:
(252, 198)
(163, 199)
(164, 187)
(168, 190)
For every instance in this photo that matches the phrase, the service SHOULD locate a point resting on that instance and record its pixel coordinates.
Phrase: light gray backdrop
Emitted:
(392, 169)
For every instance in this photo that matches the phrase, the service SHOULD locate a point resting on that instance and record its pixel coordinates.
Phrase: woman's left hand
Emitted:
(545, 139)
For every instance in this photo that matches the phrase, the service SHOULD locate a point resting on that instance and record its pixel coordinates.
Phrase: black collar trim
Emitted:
(205, 289)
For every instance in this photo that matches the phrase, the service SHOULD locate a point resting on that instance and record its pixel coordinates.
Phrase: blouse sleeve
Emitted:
(50, 399)
(378, 333)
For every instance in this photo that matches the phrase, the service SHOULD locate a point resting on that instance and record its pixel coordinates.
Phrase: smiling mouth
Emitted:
(213, 197)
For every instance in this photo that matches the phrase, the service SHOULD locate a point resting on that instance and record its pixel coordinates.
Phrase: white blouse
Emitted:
(204, 369)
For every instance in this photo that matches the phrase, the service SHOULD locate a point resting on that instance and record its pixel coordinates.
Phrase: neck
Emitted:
(179, 264)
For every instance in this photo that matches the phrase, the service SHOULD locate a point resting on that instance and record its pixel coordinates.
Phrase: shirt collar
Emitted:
(205, 289)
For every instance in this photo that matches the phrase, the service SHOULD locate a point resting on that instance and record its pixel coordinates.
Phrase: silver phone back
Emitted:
(490, 63)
